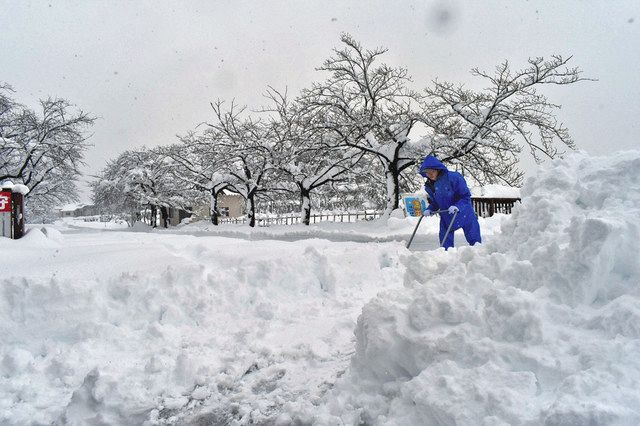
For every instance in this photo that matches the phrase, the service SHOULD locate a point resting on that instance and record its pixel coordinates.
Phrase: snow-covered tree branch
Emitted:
(368, 106)
(306, 156)
(198, 164)
(43, 150)
(138, 179)
(485, 131)
(246, 151)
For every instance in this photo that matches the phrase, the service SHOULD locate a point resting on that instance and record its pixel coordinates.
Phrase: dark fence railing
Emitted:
(292, 219)
(484, 207)
(487, 207)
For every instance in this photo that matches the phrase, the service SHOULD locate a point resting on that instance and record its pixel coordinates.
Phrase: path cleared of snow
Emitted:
(375, 231)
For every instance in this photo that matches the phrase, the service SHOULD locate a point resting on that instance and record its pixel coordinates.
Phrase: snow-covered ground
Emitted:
(135, 326)
(227, 325)
(125, 326)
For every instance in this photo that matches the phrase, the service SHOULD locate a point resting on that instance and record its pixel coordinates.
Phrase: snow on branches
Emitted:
(354, 137)
(42, 149)
(485, 131)
(141, 179)
(368, 106)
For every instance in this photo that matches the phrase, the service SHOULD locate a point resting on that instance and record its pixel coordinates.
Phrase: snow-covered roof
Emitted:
(71, 207)
(495, 191)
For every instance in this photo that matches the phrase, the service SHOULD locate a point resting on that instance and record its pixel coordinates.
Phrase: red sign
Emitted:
(5, 202)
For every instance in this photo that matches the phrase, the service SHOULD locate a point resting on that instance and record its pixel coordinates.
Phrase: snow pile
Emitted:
(539, 325)
(51, 233)
(34, 237)
(134, 327)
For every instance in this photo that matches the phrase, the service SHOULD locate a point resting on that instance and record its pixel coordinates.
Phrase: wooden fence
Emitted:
(484, 207)
(292, 219)
(487, 207)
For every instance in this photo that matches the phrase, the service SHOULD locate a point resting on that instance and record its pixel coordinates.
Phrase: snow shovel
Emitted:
(445, 235)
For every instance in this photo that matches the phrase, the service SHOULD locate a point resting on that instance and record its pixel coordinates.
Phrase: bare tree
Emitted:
(246, 152)
(43, 150)
(368, 106)
(138, 179)
(199, 165)
(485, 131)
(307, 156)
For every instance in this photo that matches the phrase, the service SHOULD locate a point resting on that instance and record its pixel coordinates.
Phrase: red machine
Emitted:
(12, 210)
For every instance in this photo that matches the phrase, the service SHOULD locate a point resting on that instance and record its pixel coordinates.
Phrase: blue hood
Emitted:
(431, 162)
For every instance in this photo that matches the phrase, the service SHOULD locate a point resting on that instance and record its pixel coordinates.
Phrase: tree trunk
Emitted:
(392, 177)
(305, 205)
(153, 219)
(251, 210)
(214, 207)
(133, 217)
(164, 213)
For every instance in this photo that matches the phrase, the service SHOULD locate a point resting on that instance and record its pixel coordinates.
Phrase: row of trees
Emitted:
(349, 136)
(42, 149)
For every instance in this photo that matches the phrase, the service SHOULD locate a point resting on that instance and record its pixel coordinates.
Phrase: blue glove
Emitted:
(428, 212)
(453, 209)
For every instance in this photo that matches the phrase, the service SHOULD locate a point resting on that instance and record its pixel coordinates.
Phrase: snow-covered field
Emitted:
(335, 323)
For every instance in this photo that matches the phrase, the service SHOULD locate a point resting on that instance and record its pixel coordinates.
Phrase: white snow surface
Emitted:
(126, 328)
(15, 187)
(104, 326)
(227, 325)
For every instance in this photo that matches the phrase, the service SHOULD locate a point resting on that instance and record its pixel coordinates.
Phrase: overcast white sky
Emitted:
(148, 69)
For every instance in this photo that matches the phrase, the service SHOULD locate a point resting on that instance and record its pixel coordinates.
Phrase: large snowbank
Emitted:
(133, 327)
(540, 325)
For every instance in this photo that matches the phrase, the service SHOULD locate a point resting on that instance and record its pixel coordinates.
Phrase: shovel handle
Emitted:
(420, 220)
(414, 231)
(453, 219)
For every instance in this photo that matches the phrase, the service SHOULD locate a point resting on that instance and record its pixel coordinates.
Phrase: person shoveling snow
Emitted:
(449, 195)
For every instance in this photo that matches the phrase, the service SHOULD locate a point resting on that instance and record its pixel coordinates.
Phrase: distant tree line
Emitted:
(347, 140)
(42, 149)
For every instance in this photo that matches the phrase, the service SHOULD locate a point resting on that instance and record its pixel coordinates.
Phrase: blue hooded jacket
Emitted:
(449, 189)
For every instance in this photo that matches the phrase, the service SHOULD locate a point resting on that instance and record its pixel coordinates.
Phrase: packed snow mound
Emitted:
(34, 238)
(541, 325)
(52, 234)
(121, 328)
